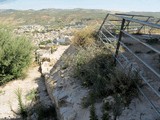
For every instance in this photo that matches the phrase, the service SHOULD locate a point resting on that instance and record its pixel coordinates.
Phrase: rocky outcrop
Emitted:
(68, 96)
(66, 92)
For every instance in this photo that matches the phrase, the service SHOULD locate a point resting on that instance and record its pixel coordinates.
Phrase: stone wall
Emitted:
(65, 92)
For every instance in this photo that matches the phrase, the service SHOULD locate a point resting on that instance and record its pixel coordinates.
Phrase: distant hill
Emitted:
(57, 17)
(154, 14)
(54, 17)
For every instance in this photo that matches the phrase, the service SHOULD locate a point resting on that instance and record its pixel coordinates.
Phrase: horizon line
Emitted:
(74, 8)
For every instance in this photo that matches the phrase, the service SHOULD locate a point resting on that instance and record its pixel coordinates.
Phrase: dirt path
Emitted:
(33, 81)
(8, 97)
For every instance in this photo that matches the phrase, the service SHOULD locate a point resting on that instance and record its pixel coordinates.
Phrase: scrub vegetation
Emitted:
(15, 55)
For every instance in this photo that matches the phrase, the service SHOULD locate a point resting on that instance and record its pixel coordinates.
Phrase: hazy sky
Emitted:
(120, 5)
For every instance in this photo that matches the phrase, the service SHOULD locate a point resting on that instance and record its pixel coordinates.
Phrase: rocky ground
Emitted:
(33, 82)
(64, 90)
(8, 98)
(68, 94)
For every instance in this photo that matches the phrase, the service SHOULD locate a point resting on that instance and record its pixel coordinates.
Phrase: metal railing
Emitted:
(112, 31)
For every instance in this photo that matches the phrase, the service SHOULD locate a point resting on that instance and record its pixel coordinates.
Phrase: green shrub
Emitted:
(88, 100)
(53, 48)
(34, 108)
(123, 84)
(22, 110)
(45, 42)
(114, 107)
(93, 115)
(15, 55)
(105, 116)
(32, 95)
(105, 110)
(92, 66)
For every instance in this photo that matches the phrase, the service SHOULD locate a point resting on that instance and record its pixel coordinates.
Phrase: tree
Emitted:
(15, 55)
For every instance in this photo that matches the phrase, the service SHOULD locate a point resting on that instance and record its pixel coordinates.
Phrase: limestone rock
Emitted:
(109, 100)
(72, 116)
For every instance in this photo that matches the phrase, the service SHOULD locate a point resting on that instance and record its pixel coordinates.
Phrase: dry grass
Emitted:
(84, 38)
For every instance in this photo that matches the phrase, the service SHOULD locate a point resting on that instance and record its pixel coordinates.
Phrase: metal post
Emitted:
(155, 23)
(119, 39)
(128, 24)
(143, 25)
(103, 23)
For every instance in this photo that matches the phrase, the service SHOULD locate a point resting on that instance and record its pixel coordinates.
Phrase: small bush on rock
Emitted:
(123, 84)
(93, 115)
(92, 65)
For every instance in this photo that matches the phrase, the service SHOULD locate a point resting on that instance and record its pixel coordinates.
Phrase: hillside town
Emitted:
(39, 33)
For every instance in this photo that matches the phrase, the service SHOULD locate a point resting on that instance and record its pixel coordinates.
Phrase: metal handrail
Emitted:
(133, 15)
(139, 60)
(105, 36)
(124, 18)
(109, 32)
(142, 22)
(157, 51)
(103, 22)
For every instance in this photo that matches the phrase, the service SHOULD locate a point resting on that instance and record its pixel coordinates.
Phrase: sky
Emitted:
(116, 5)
